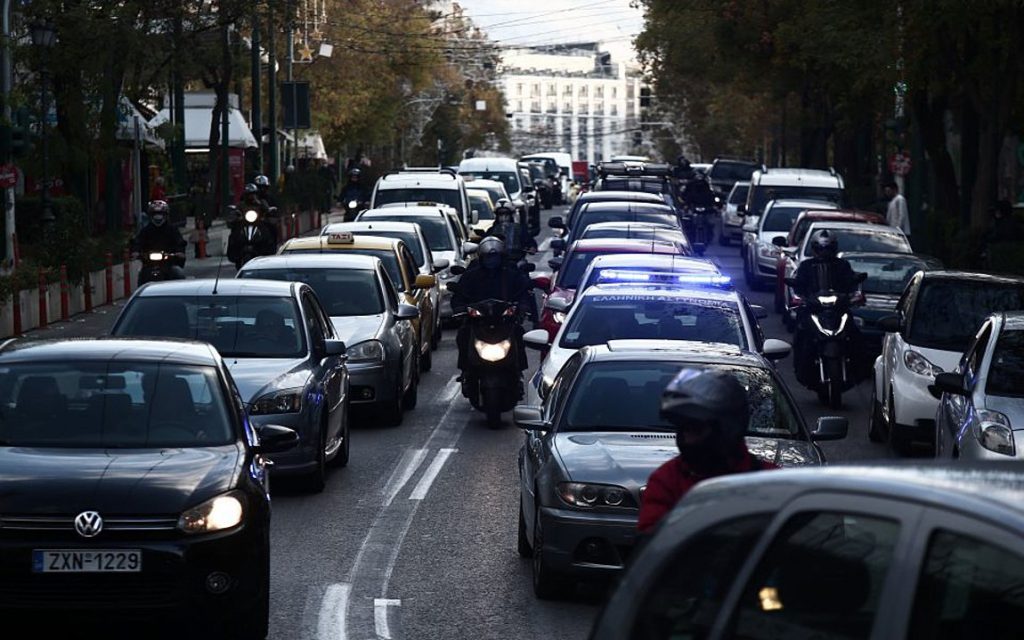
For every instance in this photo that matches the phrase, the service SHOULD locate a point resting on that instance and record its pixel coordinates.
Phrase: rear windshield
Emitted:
(627, 184)
(434, 229)
(866, 241)
(342, 292)
(739, 194)
(410, 239)
(886, 275)
(584, 221)
(482, 206)
(138, 405)
(507, 178)
(449, 197)
(237, 326)
(1004, 375)
(732, 171)
(781, 219)
(761, 196)
(387, 257)
(948, 313)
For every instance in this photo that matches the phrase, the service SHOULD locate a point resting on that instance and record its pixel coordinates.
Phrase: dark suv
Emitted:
(726, 172)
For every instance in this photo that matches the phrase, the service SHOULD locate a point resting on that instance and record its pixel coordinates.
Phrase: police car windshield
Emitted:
(625, 396)
(435, 229)
(342, 292)
(600, 318)
(449, 197)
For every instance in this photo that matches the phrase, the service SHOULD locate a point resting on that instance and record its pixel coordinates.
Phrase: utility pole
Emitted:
(257, 114)
(5, 88)
(291, 63)
(275, 157)
(225, 130)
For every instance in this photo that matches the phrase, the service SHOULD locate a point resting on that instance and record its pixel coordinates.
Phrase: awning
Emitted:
(198, 112)
(127, 114)
(311, 145)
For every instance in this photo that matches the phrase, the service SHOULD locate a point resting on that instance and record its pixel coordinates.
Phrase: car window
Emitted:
(410, 264)
(975, 353)
(113, 405)
(455, 227)
(732, 171)
(555, 399)
(683, 601)
(1004, 373)
(866, 241)
(482, 206)
(449, 197)
(317, 334)
(434, 229)
(509, 179)
(947, 313)
(237, 326)
(411, 240)
(342, 292)
(822, 577)
(761, 195)
(968, 588)
(738, 194)
(780, 219)
(886, 275)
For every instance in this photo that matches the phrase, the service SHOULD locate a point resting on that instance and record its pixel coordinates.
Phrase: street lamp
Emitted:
(44, 35)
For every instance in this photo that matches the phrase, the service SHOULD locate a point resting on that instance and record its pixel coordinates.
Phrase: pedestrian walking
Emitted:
(896, 215)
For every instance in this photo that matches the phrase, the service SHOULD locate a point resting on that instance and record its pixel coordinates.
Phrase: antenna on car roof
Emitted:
(216, 280)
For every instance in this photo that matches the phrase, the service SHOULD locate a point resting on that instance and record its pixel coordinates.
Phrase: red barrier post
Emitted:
(110, 278)
(65, 294)
(42, 298)
(127, 266)
(200, 238)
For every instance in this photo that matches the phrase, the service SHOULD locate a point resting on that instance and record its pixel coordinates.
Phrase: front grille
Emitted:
(63, 528)
(653, 436)
(141, 591)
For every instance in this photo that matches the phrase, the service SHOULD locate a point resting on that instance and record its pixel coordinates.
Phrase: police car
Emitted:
(661, 308)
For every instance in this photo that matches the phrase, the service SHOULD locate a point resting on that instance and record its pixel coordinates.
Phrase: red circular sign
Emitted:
(8, 176)
(900, 164)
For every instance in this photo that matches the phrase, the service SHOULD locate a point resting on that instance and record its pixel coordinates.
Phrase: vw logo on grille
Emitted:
(88, 524)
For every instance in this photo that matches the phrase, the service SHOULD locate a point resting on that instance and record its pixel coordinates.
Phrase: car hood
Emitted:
(257, 376)
(355, 329)
(1012, 408)
(946, 360)
(52, 481)
(628, 458)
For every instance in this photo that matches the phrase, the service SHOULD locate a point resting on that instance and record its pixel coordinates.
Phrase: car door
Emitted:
(893, 344)
(328, 371)
(403, 328)
(959, 411)
(420, 297)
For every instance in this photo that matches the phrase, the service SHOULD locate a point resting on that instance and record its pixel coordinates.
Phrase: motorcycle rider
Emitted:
(263, 242)
(262, 183)
(708, 408)
(355, 190)
(491, 277)
(159, 237)
(683, 171)
(824, 271)
(517, 241)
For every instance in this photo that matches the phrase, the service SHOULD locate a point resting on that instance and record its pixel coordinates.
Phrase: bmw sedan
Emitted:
(590, 448)
(280, 348)
(367, 315)
(134, 491)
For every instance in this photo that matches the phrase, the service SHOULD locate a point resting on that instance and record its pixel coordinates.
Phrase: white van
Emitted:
(505, 171)
(792, 184)
(564, 162)
(414, 186)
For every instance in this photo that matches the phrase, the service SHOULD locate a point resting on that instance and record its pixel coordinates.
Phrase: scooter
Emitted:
(254, 238)
(352, 209)
(493, 378)
(158, 266)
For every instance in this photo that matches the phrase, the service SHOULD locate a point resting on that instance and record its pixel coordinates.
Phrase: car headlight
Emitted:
(995, 433)
(558, 316)
(919, 364)
(216, 514)
(493, 352)
(368, 351)
(586, 495)
(284, 401)
(768, 250)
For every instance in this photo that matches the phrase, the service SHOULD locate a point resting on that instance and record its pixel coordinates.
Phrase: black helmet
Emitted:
(492, 252)
(825, 244)
(262, 181)
(683, 162)
(707, 396)
(354, 172)
(251, 189)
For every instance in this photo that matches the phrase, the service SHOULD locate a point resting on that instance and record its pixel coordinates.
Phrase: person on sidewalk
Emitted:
(197, 236)
(896, 215)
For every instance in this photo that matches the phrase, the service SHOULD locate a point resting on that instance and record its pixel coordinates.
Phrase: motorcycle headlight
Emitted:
(919, 364)
(368, 351)
(493, 352)
(250, 216)
(217, 514)
(285, 401)
(352, 204)
(995, 433)
(828, 300)
(156, 257)
(587, 495)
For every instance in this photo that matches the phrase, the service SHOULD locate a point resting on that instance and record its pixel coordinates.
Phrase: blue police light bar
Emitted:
(710, 279)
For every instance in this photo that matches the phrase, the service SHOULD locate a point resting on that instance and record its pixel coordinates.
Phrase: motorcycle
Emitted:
(493, 378)
(253, 237)
(158, 266)
(699, 222)
(825, 330)
(352, 209)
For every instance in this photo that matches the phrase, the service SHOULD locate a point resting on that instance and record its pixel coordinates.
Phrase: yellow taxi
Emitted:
(412, 287)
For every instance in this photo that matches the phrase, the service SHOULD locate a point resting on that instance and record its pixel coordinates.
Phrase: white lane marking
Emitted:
(407, 466)
(331, 621)
(545, 244)
(451, 389)
(380, 616)
(423, 486)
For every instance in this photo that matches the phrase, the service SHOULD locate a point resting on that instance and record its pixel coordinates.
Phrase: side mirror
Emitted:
(557, 244)
(830, 428)
(334, 348)
(775, 349)
(440, 264)
(861, 277)
(457, 270)
(527, 267)
(699, 248)
(888, 324)
(779, 241)
(741, 210)
(537, 339)
(469, 248)
(542, 282)
(555, 263)
(530, 417)
(407, 312)
(556, 222)
(424, 281)
(952, 383)
(474, 216)
(759, 312)
(275, 438)
(558, 304)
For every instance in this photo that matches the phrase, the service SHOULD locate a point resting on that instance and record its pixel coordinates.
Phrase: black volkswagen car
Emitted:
(132, 488)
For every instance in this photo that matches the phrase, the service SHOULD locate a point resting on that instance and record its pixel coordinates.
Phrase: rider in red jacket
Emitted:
(709, 410)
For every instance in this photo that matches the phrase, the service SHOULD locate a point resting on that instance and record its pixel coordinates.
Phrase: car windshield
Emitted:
(661, 234)
(449, 197)
(410, 239)
(732, 171)
(739, 194)
(508, 178)
(434, 229)
(237, 326)
(482, 206)
(1004, 374)
(625, 396)
(764, 195)
(342, 292)
(600, 318)
(886, 275)
(654, 216)
(780, 219)
(867, 241)
(634, 184)
(387, 258)
(137, 405)
(947, 313)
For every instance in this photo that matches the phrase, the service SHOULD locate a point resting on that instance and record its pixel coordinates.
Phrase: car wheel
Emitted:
(391, 413)
(898, 440)
(427, 360)
(522, 543)
(547, 583)
(341, 458)
(875, 433)
(435, 337)
(411, 396)
(316, 480)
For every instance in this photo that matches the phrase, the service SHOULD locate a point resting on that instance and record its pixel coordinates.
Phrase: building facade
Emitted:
(570, 98)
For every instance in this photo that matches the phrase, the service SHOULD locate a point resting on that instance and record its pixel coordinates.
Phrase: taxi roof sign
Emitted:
(340, 237)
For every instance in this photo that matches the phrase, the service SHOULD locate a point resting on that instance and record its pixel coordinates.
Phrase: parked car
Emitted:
(590, 448)
(135, 491)
(841, 552)
(760, 250)
(936, 317)
(281, 350)
(732, 222)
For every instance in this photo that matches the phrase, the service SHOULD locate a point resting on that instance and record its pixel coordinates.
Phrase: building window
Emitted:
(519, 106)
(535, 106)
(583, 91)
(535, 91)
(615, 109)
(599, 91)
(519, 89)
(567, 107)
(615, 92)
(552, 90)
(518, 123)
(552, 107)
(567, 90)
(599, 107)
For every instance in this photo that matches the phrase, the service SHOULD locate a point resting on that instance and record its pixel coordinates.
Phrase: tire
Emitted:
(316, 480)
(547, 583)
(341, 458)
(427, 359)
(411, 395)
(391, 415)
(875, 431)
(522, 543)
(898, 441)
(491, 410)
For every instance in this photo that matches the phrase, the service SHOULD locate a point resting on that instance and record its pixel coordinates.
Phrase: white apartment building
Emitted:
(570, 98)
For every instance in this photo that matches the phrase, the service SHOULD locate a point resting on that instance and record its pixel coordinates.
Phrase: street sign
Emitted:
(295, 103)
(900, 164)
(8, 176)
